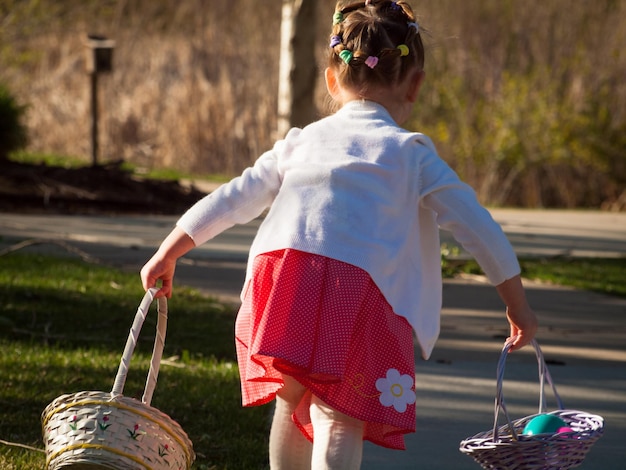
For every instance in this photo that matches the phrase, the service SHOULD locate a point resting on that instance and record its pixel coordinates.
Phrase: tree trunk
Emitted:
(297, 68)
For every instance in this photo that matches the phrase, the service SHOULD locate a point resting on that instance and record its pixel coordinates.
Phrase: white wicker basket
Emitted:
(105, 430)
(506, 448)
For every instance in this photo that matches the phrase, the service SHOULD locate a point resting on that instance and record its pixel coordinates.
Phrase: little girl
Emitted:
(346, 265)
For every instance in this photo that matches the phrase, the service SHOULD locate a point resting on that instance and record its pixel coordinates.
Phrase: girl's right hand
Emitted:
(162, 265)
(159, 269)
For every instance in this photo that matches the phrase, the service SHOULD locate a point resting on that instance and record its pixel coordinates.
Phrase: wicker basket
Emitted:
(105, 430)
(506, 448)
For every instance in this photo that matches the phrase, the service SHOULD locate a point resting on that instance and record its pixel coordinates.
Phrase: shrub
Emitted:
(13, 134)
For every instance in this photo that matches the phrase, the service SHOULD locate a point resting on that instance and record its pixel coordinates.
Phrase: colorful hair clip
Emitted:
(346, 56)
(335, 41)
(413, 24)
(371, 61)
(395, 6)
(337, 17)
(404, 50)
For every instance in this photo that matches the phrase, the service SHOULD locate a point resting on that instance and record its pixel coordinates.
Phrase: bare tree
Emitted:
(297, 69)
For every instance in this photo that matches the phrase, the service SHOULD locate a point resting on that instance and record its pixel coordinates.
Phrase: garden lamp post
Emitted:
(99, 60)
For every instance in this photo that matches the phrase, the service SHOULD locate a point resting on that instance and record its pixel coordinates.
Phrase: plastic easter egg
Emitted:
(544, 424)
(564, 429)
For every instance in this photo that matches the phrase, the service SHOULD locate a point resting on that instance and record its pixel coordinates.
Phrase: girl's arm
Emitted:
(236, 202)
(163, 263)
(459, 211)
(521, 317)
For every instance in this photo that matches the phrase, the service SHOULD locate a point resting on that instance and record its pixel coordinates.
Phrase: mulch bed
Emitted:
(108, 189)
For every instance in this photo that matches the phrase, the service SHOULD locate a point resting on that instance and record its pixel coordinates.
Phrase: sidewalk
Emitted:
(583, 335)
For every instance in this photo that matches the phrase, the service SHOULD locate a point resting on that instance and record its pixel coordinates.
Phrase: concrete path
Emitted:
(583, 335)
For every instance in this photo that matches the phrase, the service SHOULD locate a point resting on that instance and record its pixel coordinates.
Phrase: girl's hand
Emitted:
(159, 269)
(162, 265)
(524, 326)
(521, 317)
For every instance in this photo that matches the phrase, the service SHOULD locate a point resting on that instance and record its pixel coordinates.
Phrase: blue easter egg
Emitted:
(544, 424)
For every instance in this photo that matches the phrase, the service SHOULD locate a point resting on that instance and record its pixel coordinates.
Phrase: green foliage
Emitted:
(13, 134)
(525, 103)
(525, 145)
(449, 260)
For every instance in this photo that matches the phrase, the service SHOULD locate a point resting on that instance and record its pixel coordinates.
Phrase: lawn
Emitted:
(62, 330)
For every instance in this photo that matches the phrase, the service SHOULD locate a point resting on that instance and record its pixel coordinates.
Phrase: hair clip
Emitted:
(404, 50)
(371, 61)
(337, 17)
(346, 56)
(335, 41)
(413, 24)
(395, 6)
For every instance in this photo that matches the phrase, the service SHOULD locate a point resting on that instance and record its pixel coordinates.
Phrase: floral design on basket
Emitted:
(135, 433)
(396, 390)
(73, 423)
(164, 451)
(103, 425)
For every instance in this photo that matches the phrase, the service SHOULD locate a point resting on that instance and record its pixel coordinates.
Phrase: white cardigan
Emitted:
(356, 187)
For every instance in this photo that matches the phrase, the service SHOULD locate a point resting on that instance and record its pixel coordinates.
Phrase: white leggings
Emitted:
(338, 442)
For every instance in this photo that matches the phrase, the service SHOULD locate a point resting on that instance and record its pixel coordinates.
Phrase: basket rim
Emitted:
(485, 438)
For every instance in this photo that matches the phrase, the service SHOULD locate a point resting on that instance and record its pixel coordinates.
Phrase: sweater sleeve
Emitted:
(458, 211)
(236, 202)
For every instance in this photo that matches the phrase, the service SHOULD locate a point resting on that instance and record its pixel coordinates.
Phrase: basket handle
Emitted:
(544, 376)
(131, 342)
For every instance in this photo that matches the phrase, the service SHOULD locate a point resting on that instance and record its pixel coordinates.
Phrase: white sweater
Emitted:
(358, 188)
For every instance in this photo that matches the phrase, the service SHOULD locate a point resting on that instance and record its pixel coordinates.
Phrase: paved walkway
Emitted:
(583, 335)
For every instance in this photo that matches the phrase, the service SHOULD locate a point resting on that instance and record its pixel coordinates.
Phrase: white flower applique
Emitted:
(396, 390)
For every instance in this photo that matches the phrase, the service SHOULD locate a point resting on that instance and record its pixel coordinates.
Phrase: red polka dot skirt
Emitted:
(325, 323)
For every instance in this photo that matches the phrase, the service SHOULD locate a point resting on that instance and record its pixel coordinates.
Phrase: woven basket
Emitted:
(105, 430)
(506, 448)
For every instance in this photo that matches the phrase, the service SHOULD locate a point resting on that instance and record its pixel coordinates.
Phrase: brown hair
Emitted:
(381, 33)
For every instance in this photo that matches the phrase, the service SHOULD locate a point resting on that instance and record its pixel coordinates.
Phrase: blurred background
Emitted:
(525, 100)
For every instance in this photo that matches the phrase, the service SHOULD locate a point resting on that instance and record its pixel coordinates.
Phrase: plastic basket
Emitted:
(506, 448)
(105, 430)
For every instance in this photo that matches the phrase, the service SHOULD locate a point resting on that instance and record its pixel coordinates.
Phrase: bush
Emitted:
(13, 134)
(516, 103)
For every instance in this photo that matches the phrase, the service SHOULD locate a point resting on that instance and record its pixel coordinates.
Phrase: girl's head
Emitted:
(374, 44)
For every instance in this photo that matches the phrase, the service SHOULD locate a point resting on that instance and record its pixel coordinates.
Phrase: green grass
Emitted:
(62, 330)
(607, 276)
(68, 162)
(604, 275)
(48, 159)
